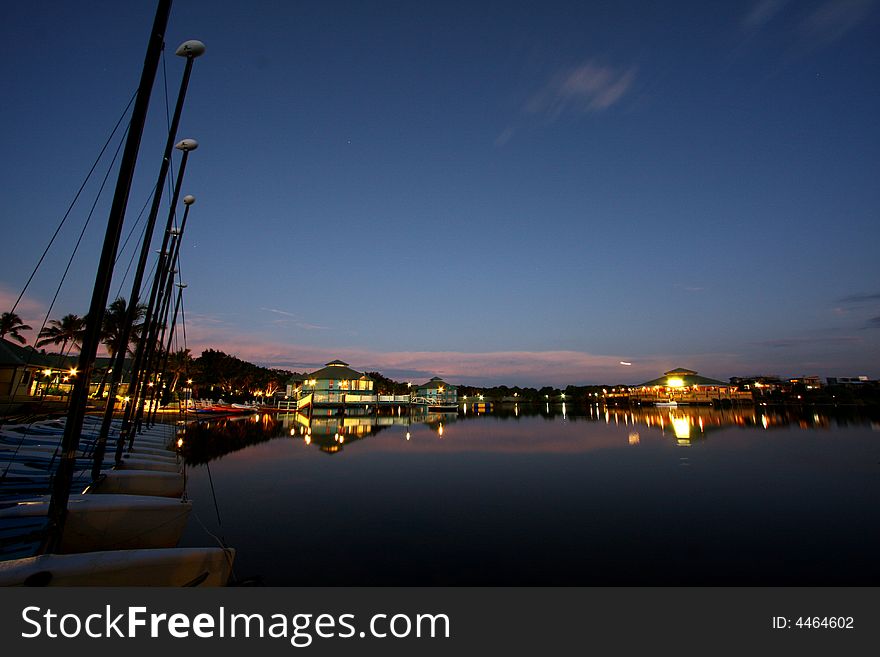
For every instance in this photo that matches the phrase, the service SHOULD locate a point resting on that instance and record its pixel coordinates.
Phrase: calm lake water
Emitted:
(544, 496)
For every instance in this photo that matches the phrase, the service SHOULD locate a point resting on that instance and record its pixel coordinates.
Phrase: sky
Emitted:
(529, 193)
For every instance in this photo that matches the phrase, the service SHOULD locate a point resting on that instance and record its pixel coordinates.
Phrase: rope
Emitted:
(73, 202)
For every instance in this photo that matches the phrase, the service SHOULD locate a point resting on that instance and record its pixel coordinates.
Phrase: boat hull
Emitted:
(169, 567)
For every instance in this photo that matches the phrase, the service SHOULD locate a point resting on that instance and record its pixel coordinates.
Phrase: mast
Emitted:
(73, 427)
(190, 50)
(143, 352)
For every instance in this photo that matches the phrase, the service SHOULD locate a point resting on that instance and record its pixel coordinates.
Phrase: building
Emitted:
(438, 393)
(29, 375)
(337, 384)
(687, 387)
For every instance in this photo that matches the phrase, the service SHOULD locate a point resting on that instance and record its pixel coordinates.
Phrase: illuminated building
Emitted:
(684, 386)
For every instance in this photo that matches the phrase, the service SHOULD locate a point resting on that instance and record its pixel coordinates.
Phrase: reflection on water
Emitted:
(544, 494)
(331, 431)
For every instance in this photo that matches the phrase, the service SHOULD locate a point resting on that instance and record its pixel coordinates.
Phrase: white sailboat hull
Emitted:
(112, 522)
(169, 567)
(140, 482)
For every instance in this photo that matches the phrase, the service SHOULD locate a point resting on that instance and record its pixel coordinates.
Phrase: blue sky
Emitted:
(515, 192)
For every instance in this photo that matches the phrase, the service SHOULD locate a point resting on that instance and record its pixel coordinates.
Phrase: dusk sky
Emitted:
(494, 192)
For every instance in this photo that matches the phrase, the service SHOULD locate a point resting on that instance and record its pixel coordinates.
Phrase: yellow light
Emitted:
(675, 382)
(72, 371)
(681, 426)
(634, 438)
(189, 381)
(308, 440)
(341, 439)
(47, 372)
(407, 435)
(440, 430)
(179, 443)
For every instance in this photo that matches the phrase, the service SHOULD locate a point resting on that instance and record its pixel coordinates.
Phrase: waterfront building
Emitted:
(336, 383)
(29, 375)
(685, 386)
(438, 393)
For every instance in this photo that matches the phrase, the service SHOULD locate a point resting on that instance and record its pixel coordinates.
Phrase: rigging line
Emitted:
(72, 203)
(73, 254)
(135, 225)
(170, 177)
(130, 233)
(148, 280)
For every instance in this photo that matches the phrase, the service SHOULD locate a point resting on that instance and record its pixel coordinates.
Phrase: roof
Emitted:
(688, 378)
(15, 355)
(336, 369)
(18, 356)
(436, 382)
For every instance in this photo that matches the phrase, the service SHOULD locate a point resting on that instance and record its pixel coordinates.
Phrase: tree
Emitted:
(113, 326)
(112, 329)
(180, 363)
(68, 329)
(11, 325)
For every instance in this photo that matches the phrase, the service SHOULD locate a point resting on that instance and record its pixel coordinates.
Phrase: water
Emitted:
(545, 496)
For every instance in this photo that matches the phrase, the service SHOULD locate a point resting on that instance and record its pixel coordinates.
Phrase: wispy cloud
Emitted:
(278, 312)
(590, 87)
(858, 303)
(761, 13)
(785, 343)
(860, 298)
(832, 19)
(291, 318)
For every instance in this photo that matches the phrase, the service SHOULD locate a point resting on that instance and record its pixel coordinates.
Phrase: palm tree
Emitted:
(112, 329)
(180, 363)
(114, 325)
(68, 329)
(11, 324)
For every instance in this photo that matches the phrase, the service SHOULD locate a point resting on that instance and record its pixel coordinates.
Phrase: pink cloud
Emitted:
(31, 311)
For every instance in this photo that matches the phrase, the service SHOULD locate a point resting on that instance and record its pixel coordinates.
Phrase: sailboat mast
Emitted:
(190, 50)
(91, 337)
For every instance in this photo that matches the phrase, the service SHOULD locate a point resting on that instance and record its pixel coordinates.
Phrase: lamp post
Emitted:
(190, 50)
(144, 351)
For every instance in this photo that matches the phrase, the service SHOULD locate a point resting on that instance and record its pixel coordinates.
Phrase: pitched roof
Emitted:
(436, 382)
(337, 369)
(15, 355)
(18, 355)
(688, 378)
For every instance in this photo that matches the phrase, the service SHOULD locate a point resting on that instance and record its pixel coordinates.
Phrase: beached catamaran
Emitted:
(114, 538)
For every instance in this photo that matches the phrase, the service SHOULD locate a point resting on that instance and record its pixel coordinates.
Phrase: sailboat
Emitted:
(73, 523)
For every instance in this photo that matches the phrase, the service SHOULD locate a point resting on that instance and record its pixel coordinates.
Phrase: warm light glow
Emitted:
(72, 371)
(47, 372)
(407, 435)
(308, 440)
(681, 426)
(179, 443)
(189, 381)
(634, 438)
(440, 430)
(675, 382)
